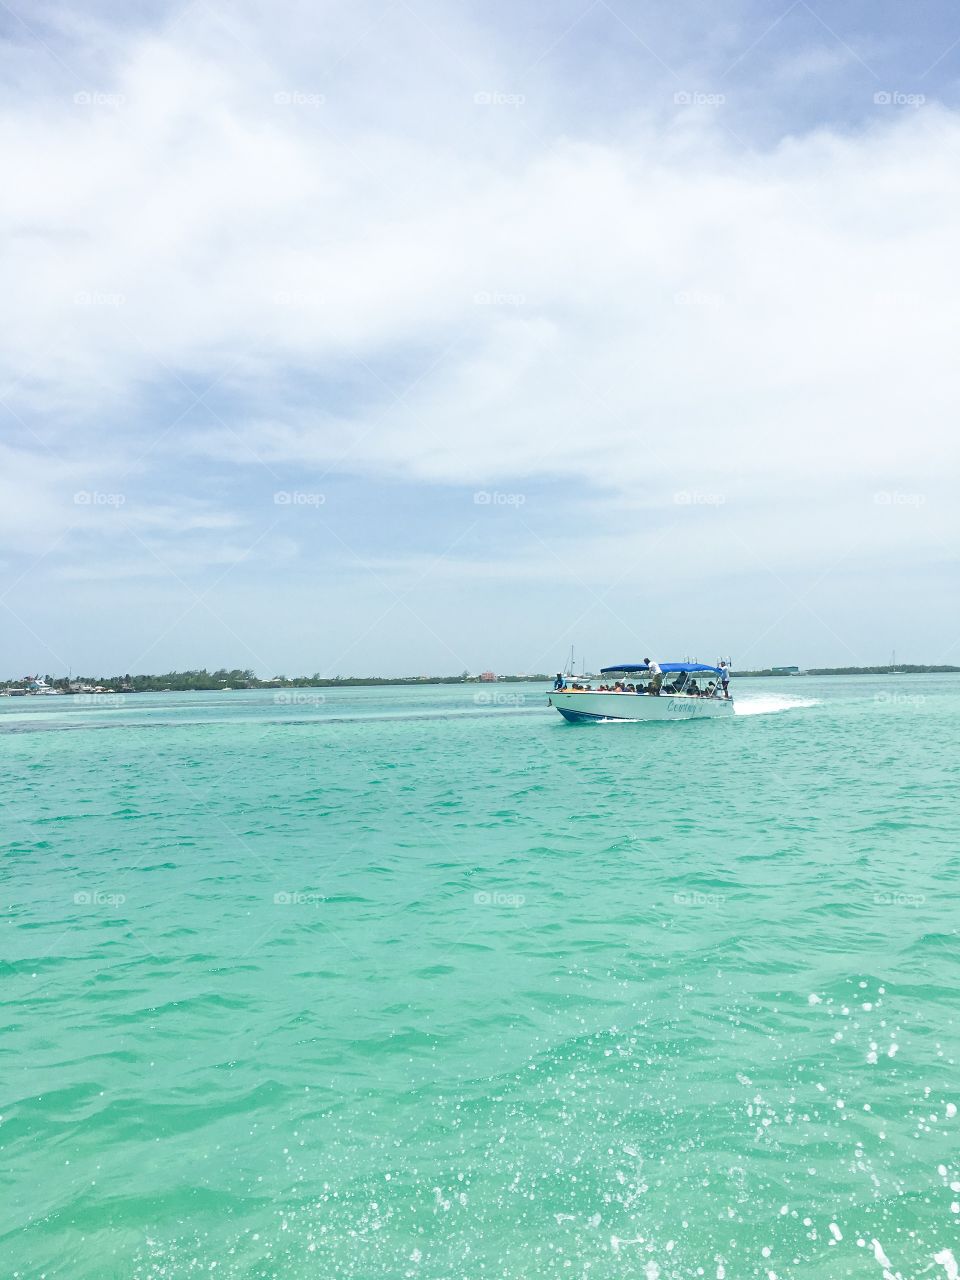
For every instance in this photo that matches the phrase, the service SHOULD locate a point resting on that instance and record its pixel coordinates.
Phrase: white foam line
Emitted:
(770, 704)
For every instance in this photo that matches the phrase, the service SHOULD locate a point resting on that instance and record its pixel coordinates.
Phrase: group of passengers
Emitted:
(690, 688)
(684, 683)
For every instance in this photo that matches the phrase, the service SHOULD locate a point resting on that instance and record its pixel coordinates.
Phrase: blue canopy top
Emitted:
(665, 667)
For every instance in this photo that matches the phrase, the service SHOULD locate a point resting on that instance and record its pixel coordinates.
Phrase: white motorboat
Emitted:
(38, 684)
(688, 691)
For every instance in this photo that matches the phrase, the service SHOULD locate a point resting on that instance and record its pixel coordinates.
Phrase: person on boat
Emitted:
(558, 683)
(656, 677)
(725, 679)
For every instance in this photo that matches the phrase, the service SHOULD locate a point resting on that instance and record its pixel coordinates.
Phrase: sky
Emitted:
(405, 337)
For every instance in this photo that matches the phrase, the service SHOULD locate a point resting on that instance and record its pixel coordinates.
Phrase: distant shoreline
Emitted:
(207, 681)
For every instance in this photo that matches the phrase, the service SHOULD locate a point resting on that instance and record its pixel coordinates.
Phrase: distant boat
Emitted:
(38, 684)
(570, 668)
(690, 691)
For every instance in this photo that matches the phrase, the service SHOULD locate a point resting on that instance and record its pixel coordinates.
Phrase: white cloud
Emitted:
(494, 299)
(140, 558)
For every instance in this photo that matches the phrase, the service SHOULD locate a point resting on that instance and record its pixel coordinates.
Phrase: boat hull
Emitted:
(585, 707)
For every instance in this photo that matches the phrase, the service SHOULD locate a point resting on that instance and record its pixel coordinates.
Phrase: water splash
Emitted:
(770, 703)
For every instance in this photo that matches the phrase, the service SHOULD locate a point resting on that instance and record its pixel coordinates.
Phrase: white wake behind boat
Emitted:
(689, 691)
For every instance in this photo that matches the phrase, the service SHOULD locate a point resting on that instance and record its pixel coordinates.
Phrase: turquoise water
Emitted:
(399, 983)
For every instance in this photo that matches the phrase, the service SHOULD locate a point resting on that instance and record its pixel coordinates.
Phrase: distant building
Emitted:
(785, 671)
(487, 677)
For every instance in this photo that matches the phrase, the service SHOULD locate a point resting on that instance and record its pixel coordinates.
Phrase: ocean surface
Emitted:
(428, 983)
